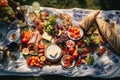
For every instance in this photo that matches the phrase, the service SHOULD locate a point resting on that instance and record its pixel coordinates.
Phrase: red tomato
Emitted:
(71, 50)
(76, 37)
(24, 40)
(77, 32)
(78, 62)
(72, 34)
(75, 55)
(29, 60)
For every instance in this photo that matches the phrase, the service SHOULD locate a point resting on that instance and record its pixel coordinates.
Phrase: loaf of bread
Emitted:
(110, 33)
(88, 21)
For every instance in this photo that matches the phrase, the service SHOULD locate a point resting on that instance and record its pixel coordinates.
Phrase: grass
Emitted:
(89, 4)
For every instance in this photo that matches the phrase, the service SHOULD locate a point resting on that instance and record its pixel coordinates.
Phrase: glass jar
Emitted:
(36, 7)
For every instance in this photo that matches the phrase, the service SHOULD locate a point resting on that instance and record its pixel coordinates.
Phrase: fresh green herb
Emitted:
(90, 59)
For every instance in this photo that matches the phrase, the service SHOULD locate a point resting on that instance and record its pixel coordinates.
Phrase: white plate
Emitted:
(81, 34)
(53, 48)
(62, 63)
(17, 36)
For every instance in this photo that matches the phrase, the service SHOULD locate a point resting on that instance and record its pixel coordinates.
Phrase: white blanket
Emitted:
(104, 66)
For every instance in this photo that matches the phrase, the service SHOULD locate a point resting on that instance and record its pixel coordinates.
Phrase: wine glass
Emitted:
(36, 7)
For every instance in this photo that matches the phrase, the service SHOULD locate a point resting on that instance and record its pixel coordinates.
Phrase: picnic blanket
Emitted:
(104, 66)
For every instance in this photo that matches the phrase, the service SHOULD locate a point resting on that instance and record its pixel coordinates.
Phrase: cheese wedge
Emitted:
(46, 36)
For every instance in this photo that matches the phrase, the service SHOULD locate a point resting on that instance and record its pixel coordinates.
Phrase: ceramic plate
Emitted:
(53, 49)
(13, 36)
(81, 34)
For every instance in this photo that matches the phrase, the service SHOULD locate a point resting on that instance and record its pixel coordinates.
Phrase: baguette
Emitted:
(110, 33)
(89, 20)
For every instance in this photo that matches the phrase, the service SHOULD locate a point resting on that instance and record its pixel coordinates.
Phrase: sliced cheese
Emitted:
(46, 36)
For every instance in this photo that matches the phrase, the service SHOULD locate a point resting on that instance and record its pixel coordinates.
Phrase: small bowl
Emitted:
(13, 36)
(72, 63)
(81, 33)
(13, 46)
(70, 43)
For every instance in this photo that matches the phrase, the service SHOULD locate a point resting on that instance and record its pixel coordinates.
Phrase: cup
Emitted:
(36, 7)
(13, 52)
(13, 46)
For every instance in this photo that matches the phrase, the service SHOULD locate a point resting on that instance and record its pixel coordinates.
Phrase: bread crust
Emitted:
(110, 34)
(89, 20)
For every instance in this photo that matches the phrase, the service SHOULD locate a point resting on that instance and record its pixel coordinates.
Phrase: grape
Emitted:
(50, 24)
(95, 39)
(62, 39)
(45, 23)
(87, 41)
(52, 18)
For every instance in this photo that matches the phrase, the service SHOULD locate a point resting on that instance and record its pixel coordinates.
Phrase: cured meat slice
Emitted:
(36, 37)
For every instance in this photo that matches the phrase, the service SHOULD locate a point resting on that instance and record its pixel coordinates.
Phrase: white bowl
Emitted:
(81, 34)
(17, 36)
(53, 48)
(70, 67)
(70, 41)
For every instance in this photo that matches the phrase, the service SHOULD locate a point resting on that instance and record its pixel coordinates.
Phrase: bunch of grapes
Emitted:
(52, 19)
(7, 13)
(95, 39)
(49, 24)
(62, 39)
